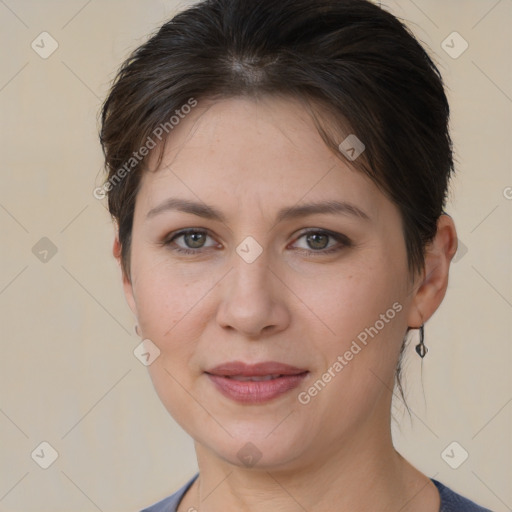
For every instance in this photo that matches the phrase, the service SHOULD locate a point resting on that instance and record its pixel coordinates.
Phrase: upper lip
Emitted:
(255, 370)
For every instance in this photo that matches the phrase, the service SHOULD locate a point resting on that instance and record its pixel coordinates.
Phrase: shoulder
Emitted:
(453, 502)
(170, 503)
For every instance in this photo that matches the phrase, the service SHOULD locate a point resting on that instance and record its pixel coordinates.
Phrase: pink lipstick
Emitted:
(255, 383)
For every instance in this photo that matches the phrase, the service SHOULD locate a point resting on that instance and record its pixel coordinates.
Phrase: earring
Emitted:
(421, 349)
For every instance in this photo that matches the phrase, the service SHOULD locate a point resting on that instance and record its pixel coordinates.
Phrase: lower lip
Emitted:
(255, 392)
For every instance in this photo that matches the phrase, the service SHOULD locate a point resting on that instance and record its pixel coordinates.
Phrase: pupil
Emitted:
(195, 238)
(315, 236)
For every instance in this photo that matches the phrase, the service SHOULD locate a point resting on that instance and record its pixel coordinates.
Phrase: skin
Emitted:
(250, 158)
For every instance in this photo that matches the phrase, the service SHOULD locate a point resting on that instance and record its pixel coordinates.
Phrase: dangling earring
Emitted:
(421, 349)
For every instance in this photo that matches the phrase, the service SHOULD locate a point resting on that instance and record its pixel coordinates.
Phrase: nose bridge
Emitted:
(251, 274)
(251, 300)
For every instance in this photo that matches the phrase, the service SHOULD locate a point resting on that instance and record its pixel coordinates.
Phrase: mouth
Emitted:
(256, 389)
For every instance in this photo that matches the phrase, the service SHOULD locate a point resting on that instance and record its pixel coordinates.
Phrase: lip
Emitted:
(255, 392)
(231, 368)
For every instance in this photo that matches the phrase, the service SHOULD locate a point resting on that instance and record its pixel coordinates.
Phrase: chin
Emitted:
(257, 450)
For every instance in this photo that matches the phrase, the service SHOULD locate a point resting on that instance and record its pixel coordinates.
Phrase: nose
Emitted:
(253, 299)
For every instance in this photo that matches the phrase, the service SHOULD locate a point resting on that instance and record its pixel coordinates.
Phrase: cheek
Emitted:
(169, 294)
(171, 311)
(350, 299)
(364, 311)
(172, 314)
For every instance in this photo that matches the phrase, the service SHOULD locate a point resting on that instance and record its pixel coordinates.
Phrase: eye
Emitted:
(318, 240)
(193, 238)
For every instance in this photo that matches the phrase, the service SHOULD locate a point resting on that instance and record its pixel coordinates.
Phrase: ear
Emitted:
(127, 285)
(433, 283)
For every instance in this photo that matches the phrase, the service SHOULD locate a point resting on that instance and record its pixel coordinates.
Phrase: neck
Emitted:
(364, 474)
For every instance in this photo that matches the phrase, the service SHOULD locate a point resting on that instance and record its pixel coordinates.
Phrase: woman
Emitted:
(277, 172)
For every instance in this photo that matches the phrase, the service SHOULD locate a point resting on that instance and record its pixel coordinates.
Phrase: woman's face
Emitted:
(256, 287)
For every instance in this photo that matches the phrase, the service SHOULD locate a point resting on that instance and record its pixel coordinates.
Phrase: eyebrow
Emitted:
(287, 213)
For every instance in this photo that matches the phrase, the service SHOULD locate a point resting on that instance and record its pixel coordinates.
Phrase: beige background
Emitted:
(68, 375)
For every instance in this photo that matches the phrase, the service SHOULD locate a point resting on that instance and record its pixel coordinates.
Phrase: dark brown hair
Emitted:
(359, 68)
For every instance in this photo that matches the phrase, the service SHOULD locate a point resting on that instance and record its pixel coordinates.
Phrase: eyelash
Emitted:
(341, 239)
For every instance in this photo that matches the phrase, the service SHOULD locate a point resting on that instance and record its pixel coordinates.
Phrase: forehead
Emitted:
(266, 150)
